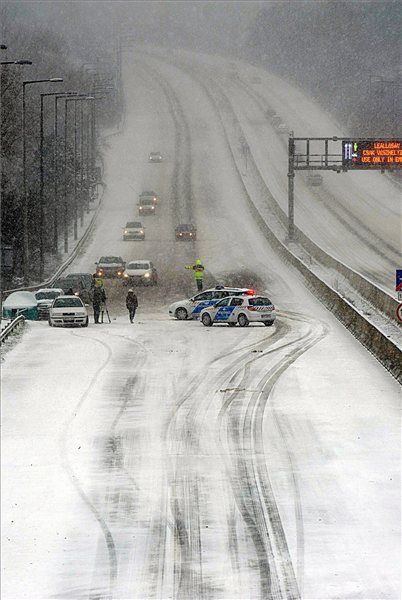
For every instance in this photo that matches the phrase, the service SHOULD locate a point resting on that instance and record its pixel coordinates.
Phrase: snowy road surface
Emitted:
(165, 459)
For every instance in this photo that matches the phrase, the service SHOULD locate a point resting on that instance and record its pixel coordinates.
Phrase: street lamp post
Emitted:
(24, 183)
(65, 212)
(56, 96)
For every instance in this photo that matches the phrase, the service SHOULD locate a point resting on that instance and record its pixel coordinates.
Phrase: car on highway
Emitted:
(45, 297)
(186, 231)
(314, 179)
(68, 310)
(110, 266)
(192, 307)
(73, 283)
(150, 195)
(282, 128)
(155, 157)
(133, 230)
(84, 282)
(146, 206)
(241, 310)
(140, 272)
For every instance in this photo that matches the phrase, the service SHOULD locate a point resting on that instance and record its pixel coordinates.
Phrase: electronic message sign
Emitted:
(372, 154)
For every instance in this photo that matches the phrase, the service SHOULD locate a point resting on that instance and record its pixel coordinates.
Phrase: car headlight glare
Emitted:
(147, 275)
(125, 275)
(125, 231)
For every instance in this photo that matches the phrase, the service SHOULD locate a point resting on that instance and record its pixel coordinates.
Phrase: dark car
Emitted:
(150, 195)
(110, 266)
(186, 232)
(68, 284)
(85, 282)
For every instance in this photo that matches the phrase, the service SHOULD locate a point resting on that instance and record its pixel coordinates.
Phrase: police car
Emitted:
(191, 308)
(240, 309)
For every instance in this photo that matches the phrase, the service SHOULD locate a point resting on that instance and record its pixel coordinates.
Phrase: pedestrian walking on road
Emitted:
(132, 304)
(198, 269)
(98, 298)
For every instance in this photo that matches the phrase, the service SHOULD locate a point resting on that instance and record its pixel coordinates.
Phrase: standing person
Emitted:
(132, 304)
(98, 297)
(198, 269)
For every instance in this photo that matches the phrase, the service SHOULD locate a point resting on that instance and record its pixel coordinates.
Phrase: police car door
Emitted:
(201, 301)
(235, 305)
(224, 310)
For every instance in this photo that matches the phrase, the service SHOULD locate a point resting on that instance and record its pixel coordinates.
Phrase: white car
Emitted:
(140, 272)
(192, 307)
(68, 310)
(240, 309)
(45, 297)
(133, 231)
(155, 157)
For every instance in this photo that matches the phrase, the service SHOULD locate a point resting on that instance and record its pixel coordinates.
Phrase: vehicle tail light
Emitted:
(250, 292)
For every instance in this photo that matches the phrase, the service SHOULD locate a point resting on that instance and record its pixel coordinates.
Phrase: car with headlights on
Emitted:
(155, 157)
(150, 195)
(110, 266)
(45, 297)
(192, 307)
(68, 310)
(146, 206)
(134, 230)
(241, 310)
(140, 272)
(186, 232)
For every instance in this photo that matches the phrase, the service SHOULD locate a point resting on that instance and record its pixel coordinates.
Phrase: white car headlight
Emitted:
(147, 275)
(125, 274)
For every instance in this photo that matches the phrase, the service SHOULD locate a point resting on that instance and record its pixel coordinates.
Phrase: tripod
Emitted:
(104, 310)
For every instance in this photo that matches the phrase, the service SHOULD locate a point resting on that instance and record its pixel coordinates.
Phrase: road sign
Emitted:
(399, 313)
(372, 154)
(398, 280)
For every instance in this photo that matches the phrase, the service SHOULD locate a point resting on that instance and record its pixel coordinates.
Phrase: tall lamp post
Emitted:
(24, 184)
(56, 95)
(65, 212)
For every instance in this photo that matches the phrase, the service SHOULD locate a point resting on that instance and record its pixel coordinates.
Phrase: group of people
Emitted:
(99, 295)
(99, 299)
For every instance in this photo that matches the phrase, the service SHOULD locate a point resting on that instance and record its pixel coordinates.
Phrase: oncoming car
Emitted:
(133, 231)
(68, 310)
(140, 272)
(240, 309)
(191, 308)
(155, 157)
(110, 266)
(186, 232)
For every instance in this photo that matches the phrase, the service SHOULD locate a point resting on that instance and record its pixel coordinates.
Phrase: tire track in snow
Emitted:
(258, 506)
(110, 544)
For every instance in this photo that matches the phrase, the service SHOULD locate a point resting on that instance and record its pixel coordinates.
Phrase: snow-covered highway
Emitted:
(165, 459)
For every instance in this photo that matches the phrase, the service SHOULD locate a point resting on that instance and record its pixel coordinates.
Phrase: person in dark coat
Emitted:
(98, 297)
(132, 304)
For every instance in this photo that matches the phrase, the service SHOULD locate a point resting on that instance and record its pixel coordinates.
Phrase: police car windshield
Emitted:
(134, 224)
(138, 265)
(259, 302)
(65, 302)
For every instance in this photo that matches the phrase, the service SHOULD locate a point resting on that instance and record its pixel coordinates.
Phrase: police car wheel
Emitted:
(206, 320)
(50, 323)
(181, 314)
(242, 320)
(232, 324)
(268, 323)
(86, 323)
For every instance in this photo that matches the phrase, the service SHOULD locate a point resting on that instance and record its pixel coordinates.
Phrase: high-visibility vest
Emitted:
(198, 270)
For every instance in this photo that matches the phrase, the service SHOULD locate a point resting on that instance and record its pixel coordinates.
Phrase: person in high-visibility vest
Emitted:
(198, 269)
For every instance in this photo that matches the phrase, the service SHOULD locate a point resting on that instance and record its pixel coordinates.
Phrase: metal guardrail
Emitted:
(17, 322)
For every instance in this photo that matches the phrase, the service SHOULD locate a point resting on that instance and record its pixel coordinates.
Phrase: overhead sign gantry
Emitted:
(340, 155)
